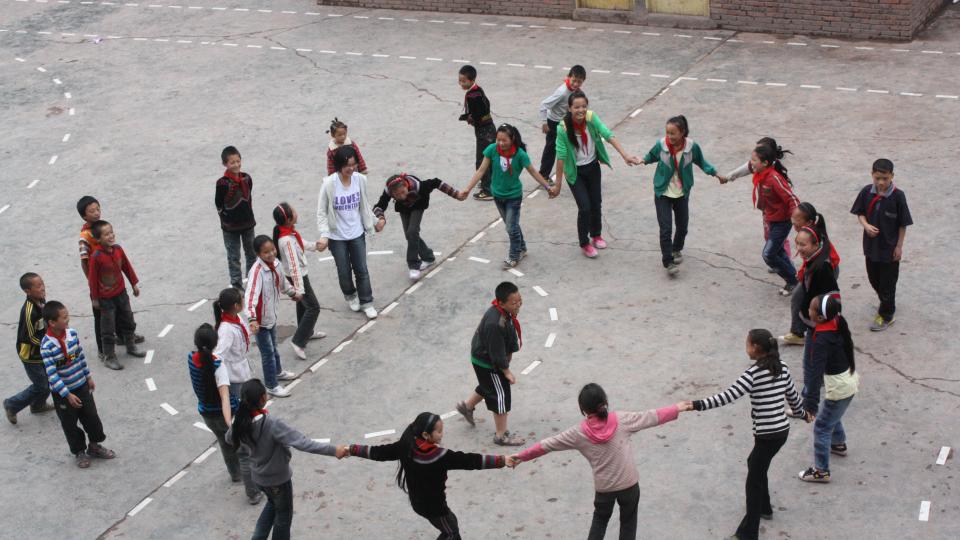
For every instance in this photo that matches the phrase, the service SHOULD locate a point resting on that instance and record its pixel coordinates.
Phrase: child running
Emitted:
(675, 155)
(290, 251)
(234, 201)
(30, 330)
(422, 469)
(268, 440)
(816, 274)
(476, 113)
(552, 111)
(806, 215)
(603, 438)
(767, 381)
(510, 154)
(830, 364)
(263, 296)
(411, 198)
(338, 138)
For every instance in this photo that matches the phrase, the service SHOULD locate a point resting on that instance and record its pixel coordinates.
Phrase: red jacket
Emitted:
(106, 272)
(772, 194)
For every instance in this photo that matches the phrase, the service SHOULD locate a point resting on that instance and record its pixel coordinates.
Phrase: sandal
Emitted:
(83, 460)
(466, 413)
(509, 439)
(98, 451)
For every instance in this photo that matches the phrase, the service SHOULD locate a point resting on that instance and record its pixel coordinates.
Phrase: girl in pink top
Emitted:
(604, 439)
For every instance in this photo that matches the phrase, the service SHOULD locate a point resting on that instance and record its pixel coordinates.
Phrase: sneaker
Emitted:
(673, 269)
(370, 312)
(482, 196)
(510, 263)
(354, 303)
(598, 242)
(318, 335)
(589, 251)
(792, 339)
(677, 257)
(509, 439)
(298, 351)
(46, 407)
(110, 360)
(839, 449)
(278, 391)
(286, 375)
(880, 324)
(426, 264)
(82, 460)
(255, 500)
(12, 416)
(414, 274)
(815, 475)
(98, 451)
(466, 413)
(787, 290)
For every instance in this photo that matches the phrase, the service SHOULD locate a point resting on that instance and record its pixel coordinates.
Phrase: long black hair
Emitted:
(819, 222)
(593, 400)
(823, 255)
(425, 422)
(228, 298)
(681, 122)
(251, 396)
(830, 310)
(768, 150)
(514, 135)
(281, 214)
(762, 339)
(568, 118)
(205, 340)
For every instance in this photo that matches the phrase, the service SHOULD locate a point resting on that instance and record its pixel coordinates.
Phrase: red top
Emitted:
(772, 194)
(106, 272)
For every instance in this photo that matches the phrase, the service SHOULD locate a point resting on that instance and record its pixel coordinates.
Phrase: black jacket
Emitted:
(495, 339)
(30, 331)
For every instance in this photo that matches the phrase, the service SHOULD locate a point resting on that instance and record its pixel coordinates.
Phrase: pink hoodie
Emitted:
(606, 445)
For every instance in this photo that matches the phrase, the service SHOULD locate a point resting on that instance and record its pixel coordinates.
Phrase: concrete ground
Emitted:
(132, 102)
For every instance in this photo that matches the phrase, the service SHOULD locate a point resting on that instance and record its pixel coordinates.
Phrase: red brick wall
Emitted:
(530, 8)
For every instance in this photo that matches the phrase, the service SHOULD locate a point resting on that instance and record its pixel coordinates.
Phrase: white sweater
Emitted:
(294, 261)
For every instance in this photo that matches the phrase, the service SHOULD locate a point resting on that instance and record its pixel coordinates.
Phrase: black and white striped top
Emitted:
(766, 398)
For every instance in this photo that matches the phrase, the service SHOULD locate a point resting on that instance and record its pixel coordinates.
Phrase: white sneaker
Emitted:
(298, 352)
(370, 312)
(424, 265)
(286, 375)
(278, 391)
(414, 275)
(354, 303)
(318, 335)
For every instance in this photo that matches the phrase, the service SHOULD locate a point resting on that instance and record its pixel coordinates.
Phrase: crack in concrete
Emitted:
(909, 378)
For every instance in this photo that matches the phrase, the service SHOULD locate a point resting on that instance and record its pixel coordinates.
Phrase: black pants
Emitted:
(486, 135)
(308, 310)
(587, 193)
(679, 210)
(628, 499)
(758, 492)
(447, 525)
(86, 415)
(96, 329)
(883, 278)
(116, 317)
(549, 157)
(417, 249)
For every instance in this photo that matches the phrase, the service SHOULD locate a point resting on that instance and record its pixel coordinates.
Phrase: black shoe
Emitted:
(483, 196)
(132, 349)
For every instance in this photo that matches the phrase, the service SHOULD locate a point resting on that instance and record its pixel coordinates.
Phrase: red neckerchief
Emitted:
(514, 320)
(238, 178)
(290, 231)
(803, 267)
(257, 412)
(567, 82)
(276, 276)
(424, 445)
(582, 130)
(876, 198)
(832, 325)
(673, 154)
(759, 177)
(509, 155)
(233, 319)
(63, 345)
(465, 108)
(195, 359)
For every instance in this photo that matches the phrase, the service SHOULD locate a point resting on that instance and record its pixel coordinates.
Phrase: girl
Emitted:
(511, 157)
(233, 338)
(264, 285)
(806, 215)
(411, 198)
(268, 441)
(831, 363)
(675, 155)
(773, 195)
(767, 380)
(216, 405)
(604, 439)
(422, 469)
(816, 275)
(338, 138)
(579, 154)
(344, 218)
(291, 247)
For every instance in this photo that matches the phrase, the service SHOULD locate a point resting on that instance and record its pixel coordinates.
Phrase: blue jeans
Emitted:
(233, 241)
(827, 430)
(510, 212)
(269, 355)
(351, 258)
(34, 395)
(677, 208)
(277, 514)
(774, 254)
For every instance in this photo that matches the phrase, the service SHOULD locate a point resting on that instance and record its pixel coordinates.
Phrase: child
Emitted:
(510, 155)
(773, 195)
(345, 218)
(211, 384)
(806, 215)
(268, 441)
(767, 381)
(72, 386)
(579, 154)
(411, 198)
(233, 338)
(422, 467)
(816, 275)
(497, 337)
(552, 111)
(603, 438)
(831, 364)
(476, 112)
(291, 253)
(108, 265)
(338, 138)
(264, 285)
(30, 330)
(884, 215)
(675, 155)
(234, 201)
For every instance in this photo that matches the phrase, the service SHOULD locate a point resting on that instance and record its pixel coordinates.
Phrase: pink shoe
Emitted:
(589, 251)
(599, 242)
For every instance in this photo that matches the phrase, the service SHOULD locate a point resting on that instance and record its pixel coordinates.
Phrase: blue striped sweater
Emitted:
(208, 396)
(65, 374)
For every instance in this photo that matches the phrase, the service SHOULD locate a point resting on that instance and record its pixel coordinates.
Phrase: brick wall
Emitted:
(531, 8)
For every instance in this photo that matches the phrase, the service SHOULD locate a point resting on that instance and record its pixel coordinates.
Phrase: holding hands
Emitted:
(380, 223)
(685, 406)
(322, 244)
(343, 451)
(513, 461)
(462, 195)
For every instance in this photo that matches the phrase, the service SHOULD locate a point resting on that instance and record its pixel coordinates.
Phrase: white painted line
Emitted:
(488, 63)
(318, 365)
(57, 81)
(4, 208)
(410, 20)
(846, 89)
(540, 290)
(633, 73)
(533, 365)
(379, 433)
(944, 453)
(931, 52)
(174, 478)
(166, 406)
(651, 33)
(144, 39)
(366, 326)
(515, 26)
(41, 69)
(478, 236)
(550, 339)
(947, 96)
(568, 28)
(767, 41)
(407, 57)
(350, 53)
(480, 260)
(900, 50)
(813, 86)
(53, 159)
(437, 21)
(388, 252)
(389, 308)
(33, 183)
(415, 286)
(460, 61)
(864, 48)
(451, 258)
(553, 314)
(206, 453)
(254, 46)
(140, 506)
(292, 384)
(869, 91)
(434, 272)
(380, 55)
(538, 66)
(201, 425)
(775, 84)
(385, 18)
(911, 94)
(618, 31)
(659, 75)
(198, 304)
(599, 71)
(66, 138)
(495, 223)
(342, 345)
(516, 65)
(797, 43)
(450, 414)
(924, 511)
(151, 386)
(166, 330)
(67, 95)
(149, 358)
(682, 35)
(19, 59)
(515, 272)
(712, 38)
(164, 40)
(533, 194)
(828, 46)
(635, 113)
(487, 24)
(322, 441)
(430, 59)
(748, 82)
(278, 48)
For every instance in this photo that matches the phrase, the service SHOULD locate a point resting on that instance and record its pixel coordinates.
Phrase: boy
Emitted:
(884, 215)
(496, 339)
(72, 386)
(108, 264)
(552, 111)
(476, 112)
(234, 201)
(30, 331)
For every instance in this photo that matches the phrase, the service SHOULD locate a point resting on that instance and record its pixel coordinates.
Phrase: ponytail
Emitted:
(773, 154)
(514, 135)
(593, 401)
(281, 215)
(424, 423)
(568, 118)
(228, 299)
(830, 307)
(205, 340)
(251, 396)
(770, 359)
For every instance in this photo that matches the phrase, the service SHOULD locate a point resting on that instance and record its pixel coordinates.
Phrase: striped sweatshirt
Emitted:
(766, 398)
(64, 373)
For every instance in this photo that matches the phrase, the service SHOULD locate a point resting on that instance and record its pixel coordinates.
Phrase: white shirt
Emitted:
(346, 205)
(586, 153)
(232, 351)
(221, 376)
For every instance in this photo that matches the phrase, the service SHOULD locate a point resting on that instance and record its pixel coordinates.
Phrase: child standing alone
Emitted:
(476, 113)
(338, 138)
(552, 111)
(234, 202)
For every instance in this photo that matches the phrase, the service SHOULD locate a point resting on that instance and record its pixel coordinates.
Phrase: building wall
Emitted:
(531, 8)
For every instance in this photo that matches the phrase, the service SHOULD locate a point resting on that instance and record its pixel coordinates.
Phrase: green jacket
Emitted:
(568, 153)
(691, 155)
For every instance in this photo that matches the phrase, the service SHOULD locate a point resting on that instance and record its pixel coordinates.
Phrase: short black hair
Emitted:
(51, 310)
(342, 155)
(261, 241)
(469, 72)
(883, 165)
(227, 152)
(96, 229)
(84, 202)
(26, 280)
(504, 290)
(578, 71)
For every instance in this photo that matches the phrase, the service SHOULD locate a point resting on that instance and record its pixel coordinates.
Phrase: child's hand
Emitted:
(555, 190)
(74, 401)
(685, 406)
(513, 461)
(297, 297)
(631, 160)
(897, 253)
(510, 376)
(380, 223)
(343, 451)
(91, 384)
(722, 179)
(871, 231)
(254, 326)
(95, 304)
(809, 416)
(545, 128)
(322, 244)
(136, 290)
(463, 195)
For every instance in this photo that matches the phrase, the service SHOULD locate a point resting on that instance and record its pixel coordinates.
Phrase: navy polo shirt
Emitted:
(889, 213)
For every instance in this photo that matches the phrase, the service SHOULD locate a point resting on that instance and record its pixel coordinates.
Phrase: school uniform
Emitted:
(507, 191)
(108, 266)
(552, 110)
(233, 198)
(87, 245)
(773, 195)
(495, 340)
(476, 112)
(291, 252)
(411, 212)
(581, 169)
(264, 286)
(67, 373)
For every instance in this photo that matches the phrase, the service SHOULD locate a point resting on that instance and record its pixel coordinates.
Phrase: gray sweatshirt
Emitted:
(554, 107)
(270, 452)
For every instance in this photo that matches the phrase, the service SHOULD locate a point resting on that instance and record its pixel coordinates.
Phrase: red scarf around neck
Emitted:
(63, 345)
(567, 82)
(758, 178)
(424, 445)
(509, 155)
(582, 130)
(238, 178)
(257, 412)
(291, 231)
(876, 198)
(234, 319)
(803, 267)
(514, 320)
(674, 151)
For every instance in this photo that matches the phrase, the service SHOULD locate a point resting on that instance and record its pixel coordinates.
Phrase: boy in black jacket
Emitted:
(476, 112)
(30, 331)
(234, 202)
